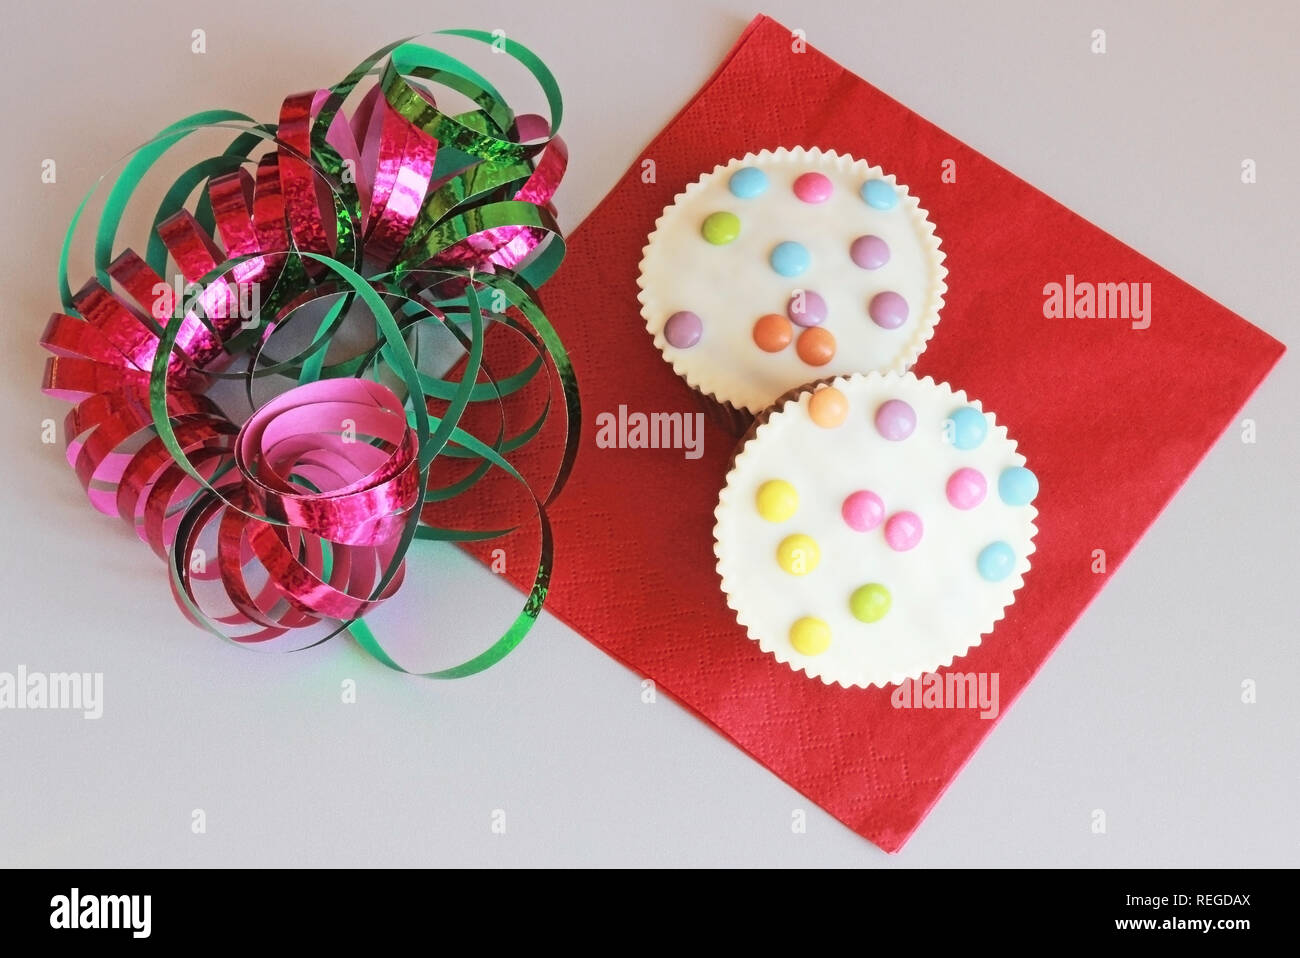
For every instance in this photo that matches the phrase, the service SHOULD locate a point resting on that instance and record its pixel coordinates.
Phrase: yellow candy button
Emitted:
(798, 554)
(777, 500)
(810, 636)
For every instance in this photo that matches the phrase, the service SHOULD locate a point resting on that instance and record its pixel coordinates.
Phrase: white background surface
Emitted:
(1138, 713)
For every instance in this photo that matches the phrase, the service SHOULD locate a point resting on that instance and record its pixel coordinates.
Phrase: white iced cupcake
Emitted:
(873, 528)
(787, 266)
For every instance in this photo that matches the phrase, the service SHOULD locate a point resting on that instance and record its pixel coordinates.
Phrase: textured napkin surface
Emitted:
(1100, 410)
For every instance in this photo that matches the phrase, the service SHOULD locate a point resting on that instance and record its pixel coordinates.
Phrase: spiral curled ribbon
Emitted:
(400, 212)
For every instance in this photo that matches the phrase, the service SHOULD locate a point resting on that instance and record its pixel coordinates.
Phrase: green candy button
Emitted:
(870, 603)
(721, 228)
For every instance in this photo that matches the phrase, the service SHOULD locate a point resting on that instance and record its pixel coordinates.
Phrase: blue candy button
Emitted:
(791, 259)
(748, 182)
(995, 562)
(969, 427)
(879, 195)
(1017, 486)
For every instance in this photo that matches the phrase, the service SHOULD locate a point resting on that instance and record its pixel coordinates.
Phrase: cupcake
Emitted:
(873, 528)
(787, 266)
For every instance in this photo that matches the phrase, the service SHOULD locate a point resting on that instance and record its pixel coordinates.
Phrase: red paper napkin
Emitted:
(1100, 409)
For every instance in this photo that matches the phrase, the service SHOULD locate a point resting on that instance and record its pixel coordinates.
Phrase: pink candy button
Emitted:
(903, 531)
(966, 488)
(813, 188)
(863, 510)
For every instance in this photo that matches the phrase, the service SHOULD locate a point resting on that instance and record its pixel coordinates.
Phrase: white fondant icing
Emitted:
(940, 604)
(732, 285)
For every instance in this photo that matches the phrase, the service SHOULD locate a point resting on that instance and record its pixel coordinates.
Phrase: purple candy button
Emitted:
(888, 310)
(683, 330)
(869, 252)
(895, 420)
(806, 308)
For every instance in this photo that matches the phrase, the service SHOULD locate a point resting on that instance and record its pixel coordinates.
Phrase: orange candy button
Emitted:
(772, 333)
(828, 408)
(816, 346)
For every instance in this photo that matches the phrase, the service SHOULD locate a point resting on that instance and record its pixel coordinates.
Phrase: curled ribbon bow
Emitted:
(397, 218)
